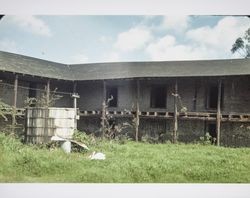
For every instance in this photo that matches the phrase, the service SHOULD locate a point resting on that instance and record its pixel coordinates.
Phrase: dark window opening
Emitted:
(32, 90)
(213, 97)
(212, 132)
(112, 93)
(158, 97)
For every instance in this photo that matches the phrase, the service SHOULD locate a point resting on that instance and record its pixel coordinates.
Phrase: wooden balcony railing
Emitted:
(231, 117)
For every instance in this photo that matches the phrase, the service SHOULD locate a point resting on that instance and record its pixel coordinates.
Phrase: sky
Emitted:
(75, 39)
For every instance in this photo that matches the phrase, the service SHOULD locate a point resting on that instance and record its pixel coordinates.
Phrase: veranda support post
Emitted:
(218, 117)
(14, 102)
(103, 109)
(175, 112)
(137, 119)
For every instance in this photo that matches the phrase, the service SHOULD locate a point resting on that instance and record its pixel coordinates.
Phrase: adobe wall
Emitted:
(91, 94)
(65, 97)
(237, 94)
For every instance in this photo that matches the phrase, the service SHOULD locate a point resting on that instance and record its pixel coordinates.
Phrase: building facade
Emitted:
(188, 98)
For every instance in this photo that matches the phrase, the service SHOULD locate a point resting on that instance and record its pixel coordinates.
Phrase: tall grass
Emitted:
(125, 163)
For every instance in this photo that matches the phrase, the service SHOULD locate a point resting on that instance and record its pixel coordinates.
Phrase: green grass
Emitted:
(125, 163)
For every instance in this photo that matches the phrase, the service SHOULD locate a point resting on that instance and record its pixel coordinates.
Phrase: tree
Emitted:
(242, 45)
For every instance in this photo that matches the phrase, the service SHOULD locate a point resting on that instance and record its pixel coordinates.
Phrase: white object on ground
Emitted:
(97, 156)
(66, 146)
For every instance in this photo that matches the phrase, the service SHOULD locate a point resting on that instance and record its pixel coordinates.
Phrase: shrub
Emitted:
(207, 139)
(89, 140)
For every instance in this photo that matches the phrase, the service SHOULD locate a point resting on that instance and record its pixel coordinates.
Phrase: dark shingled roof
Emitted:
(96, 71)
(33, 66)
(161, 69)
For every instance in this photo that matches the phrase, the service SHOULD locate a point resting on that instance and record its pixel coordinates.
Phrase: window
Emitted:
(213, 96)
(112, 93)
(158, 96)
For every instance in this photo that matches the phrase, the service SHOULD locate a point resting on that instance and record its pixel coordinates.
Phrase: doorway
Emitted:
(158, 96)
(212, 98)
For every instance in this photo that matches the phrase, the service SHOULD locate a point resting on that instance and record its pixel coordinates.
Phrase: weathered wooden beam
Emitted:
(137, 118)
(15, 100)
(15, 91)
(218, 118)
(103, 108)
(46, 120)
(75, 97)
(175, 112)
(169, 115)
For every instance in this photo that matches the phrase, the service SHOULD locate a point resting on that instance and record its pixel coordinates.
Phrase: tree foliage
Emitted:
(242, 45)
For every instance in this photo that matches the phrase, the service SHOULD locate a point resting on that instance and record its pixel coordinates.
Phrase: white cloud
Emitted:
(178, 23)
(79, 58)
(166, 48)
(221, 36)
(133, 39)
(8, 45)
(202, 43)
(31, 24)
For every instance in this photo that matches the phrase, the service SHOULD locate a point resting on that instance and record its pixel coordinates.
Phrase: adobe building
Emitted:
(186, 98)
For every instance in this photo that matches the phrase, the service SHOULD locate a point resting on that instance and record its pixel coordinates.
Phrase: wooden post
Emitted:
(175, 113)
(48, 93)
(137, 119)
(75, 97)
(218, 120)
(46, 120)
(74, 92)
(14, 101)
(103, 109)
